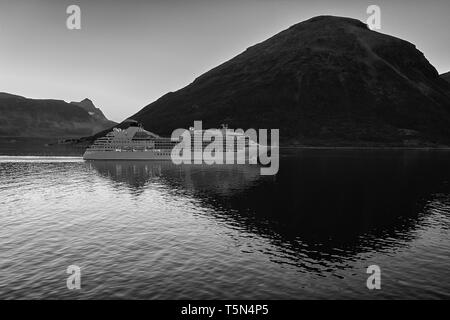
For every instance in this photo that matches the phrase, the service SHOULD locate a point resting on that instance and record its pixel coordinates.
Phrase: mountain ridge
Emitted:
(52, 118)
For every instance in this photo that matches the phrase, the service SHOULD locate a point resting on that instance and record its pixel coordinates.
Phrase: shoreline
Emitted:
(362, 148)
(48, 151)
(42, 147)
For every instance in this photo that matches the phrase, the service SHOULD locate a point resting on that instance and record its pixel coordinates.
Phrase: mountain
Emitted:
(446, 76)
(325, 81)
(89, 106)
(24, 117)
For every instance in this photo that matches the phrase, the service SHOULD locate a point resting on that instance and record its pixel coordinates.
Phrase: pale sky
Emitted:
(129, 53)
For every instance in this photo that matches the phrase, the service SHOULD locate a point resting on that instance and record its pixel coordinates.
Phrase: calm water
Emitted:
(153, 230)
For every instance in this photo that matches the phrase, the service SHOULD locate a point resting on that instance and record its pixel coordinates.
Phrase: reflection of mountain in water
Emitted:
(325, 200)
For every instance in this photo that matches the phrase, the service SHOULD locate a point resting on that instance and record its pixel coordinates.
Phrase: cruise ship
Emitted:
(136, 143)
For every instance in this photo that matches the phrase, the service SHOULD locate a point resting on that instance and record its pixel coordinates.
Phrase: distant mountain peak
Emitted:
(330, 19)
(86, 101)
(89, 106)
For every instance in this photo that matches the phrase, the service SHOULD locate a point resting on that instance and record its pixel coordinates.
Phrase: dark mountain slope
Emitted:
(328, 80)
(446, 76)
(23, 117)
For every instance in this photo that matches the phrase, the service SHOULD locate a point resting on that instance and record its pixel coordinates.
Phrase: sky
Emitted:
(129, 53)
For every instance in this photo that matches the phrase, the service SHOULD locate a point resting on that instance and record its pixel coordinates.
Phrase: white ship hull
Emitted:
(126, 155)
(148, 155)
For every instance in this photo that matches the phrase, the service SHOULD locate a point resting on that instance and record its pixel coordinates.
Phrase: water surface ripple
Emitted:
(153, 230)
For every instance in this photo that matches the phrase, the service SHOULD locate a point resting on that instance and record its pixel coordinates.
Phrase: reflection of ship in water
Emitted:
(135, 174)
(219, 179)
(322, 203)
